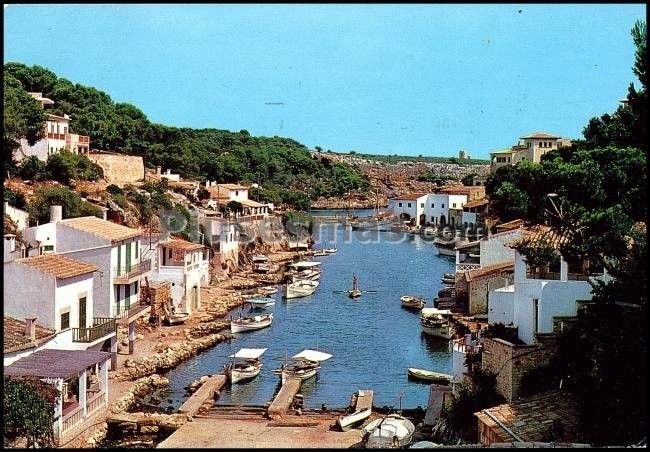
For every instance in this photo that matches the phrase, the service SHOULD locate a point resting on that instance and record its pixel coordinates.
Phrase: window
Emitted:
(400, 204)
(47, 249)
(409, 204)
(65, 320)
(422, 205)
(137, 248)
(236, 192)
(443, 206)
(433, 205)
(454, 205)
(433, 218)
(65, 129)
(508, 159)
(169, 253)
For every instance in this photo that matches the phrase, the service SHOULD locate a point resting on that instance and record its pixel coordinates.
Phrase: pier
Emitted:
(204, 394)
(282, 402)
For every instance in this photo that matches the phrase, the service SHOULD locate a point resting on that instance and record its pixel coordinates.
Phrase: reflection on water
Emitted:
(373, 340)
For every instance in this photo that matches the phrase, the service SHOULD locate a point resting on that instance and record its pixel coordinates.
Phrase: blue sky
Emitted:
(405, 79)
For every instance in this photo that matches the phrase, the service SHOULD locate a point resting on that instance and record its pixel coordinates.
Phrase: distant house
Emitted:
(222, 194)
(59, 292)
(57, 136)
(530, 147)
(409, 208)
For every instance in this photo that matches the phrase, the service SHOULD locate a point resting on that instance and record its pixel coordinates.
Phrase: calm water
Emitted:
(373, 339)
(343, 212)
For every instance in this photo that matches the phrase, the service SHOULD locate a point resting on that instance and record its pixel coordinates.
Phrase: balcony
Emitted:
(464, 266)
(126, 275)
(56, 136)
(127, 314)
(101, 327)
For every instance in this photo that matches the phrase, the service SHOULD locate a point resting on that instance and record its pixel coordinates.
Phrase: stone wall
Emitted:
(119, 169)
(511, 362)
(478, 290)
(158, 293)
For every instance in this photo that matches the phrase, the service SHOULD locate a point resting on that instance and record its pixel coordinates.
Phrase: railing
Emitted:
(462, 267)
(123, 274)
(95, 402)
(56, 136)
(102, 326)
(556, 276)
(124, 311)
(72, 419)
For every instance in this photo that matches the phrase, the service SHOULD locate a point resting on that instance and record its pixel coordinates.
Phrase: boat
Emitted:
(260, 258)
(306, 365)
(436, 326)
(447, 292)
(371, 224)
(311, 275)
(355, 292)
(261, 302)
(330, 250)
(178, 318)
(251, 323)
(267, 290)
(448, 247)
(449, 275)
(392, 431)
(362, 410)
(447, 280)
(409, 301)
(247, 368)
(261, 268)
(321, 253)
(429, 375)
(301, 288)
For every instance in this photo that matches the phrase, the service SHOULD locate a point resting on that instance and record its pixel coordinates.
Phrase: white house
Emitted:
(185, 265)
(58, 292)
(230, 192)
(223, 237)
(539, 294)
(57, 136)
(409, 207)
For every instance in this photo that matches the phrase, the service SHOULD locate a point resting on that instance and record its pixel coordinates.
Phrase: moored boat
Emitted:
(251, 323)
(311, 275)
(362, 410)
(448, 280)
(354, 293)
(306, 365)
(301, 288)
(429, 375)
(261, 302)
(410, 301)
(267, 290)
(178, 318)
(248, 366)
(330, 250)
(436, 326)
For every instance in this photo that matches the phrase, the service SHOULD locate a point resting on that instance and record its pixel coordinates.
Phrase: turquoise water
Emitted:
(373, 339)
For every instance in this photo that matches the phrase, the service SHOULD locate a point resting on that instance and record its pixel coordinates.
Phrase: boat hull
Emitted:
(412, 302)
(237, 327)
(444, 331)
(177, 319)
(302, 375)
(238, 375)
(384, 436)
(349, 421)
(297, 290)
(427, 375)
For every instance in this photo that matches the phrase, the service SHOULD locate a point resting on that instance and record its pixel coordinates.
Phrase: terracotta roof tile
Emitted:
(15, 339)
(57, 265)
(102, 228)
(476, 203)
(179, 244)
(489, 270)
(542, 236)
(510, 225)
(410, 196)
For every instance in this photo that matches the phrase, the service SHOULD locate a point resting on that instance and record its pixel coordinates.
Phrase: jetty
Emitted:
(364, 399)
(283, 400)
(204, 394)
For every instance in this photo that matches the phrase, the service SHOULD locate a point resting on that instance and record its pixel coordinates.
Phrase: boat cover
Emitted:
(261, 300)
(249, 353)
(390, 427)
(430, 312)
(312, 355)
(305, 264)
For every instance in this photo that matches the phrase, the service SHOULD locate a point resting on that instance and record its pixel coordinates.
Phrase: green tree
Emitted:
(66, 166)
(28, 409)
(14, 198)
(32, 168)
(468, 180)
(71, 203)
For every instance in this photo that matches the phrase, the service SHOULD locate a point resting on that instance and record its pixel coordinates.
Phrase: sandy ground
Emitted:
(219, 432)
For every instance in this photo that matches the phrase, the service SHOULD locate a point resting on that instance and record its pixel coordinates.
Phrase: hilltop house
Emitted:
(57, 136)
(530, 147)
(58, 292)
(222, 194)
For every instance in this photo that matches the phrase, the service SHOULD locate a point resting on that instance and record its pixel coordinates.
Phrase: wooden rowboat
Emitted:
(429, 375)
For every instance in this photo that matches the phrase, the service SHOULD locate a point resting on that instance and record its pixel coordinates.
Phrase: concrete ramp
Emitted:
(204, 393)
(437, 396)
(364, 399)
(282, 402)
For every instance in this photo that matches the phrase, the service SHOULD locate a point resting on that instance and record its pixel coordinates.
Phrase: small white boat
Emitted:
(306, 365)
(448, 247)
(437, 326)
(261, 268)
(267, 290)
(448, 280)
(301, 288)
(178, 318)
(251, 323)
(410, 301)
(260, 258)
(311, 275)
(261, 302)
(363, 410)
(392, 431)
(248, 367)
(429, 375)
(330, 250)
(321, 253)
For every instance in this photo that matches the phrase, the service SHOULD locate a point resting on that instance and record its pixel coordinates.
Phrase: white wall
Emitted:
(468, 217)
(39, 149)
(67, 295)
(501, 305)
(459, 200)
(20, 217)
(28, 293)
(495, 250)
(417, 207)
(434, 207)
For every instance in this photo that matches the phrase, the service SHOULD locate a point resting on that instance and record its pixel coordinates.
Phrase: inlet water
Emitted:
(373, 339)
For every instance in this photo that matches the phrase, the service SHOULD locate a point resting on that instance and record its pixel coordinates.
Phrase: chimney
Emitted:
(10, 242)
(56, 214)
(158, 168)
(30, 328)
(169, 171)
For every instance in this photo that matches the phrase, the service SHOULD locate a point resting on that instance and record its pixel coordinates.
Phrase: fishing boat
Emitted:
(377, 222)
(261, 302)
(448, 247)
(306, 365)
(409, 301)
(267, 290)
(362, 410)
(447, 292)
(436, 326)
(448, 280)
(330, 250)
(392, 431)
(321, 253)
(251, 323)
(311, 275)
(428, 375)
(178, 318)
(248, 366)
(301, 288)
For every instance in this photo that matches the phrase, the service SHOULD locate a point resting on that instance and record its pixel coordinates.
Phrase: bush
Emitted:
(14, 199)
(72, 204)
(114, 190)
(31, 168)
(65, 166)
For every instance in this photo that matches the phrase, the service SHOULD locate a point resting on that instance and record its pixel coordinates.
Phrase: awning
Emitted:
(430, 312)
(312, 355)
(468, 245)
(249, 353)
(305, 264)
(50, 363)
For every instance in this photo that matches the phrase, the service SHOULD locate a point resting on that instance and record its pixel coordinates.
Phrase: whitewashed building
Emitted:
(19, 216)
(409, 208)
(58, 292)
(185, 265)
(539, 294)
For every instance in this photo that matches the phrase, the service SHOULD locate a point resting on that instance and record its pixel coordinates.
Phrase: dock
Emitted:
(438, 395)
(282, 402)
(205, 393)
(364, 399)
